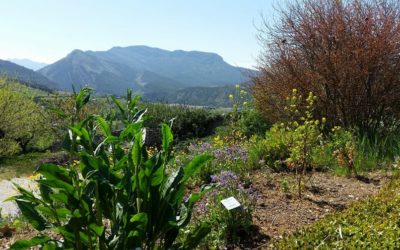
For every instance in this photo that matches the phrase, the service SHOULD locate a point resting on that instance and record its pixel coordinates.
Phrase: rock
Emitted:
(9, 208)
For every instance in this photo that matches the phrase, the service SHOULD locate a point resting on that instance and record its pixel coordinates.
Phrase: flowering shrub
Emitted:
(292, 142)
(244, 118)
(227, 226)
(230, 157)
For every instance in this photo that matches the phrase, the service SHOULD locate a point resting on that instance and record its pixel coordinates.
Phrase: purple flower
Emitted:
(225, 179)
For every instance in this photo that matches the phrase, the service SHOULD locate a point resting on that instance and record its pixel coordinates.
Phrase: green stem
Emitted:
(78, 240)
(99, 216)
(90, 238)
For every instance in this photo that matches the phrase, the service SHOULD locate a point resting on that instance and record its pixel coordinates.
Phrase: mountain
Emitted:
(152, 71)
(26, 76)
(27, 63)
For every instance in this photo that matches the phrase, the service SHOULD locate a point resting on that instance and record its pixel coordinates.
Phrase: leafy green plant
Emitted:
(188, 122)
(285, 186)
(229, 227)
(272, 150)
(116, 196)
(305, 134)
(251, 122)
(344, 149)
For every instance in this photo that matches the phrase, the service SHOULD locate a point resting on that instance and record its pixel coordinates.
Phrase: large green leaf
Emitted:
(98, 230)
(29, 212)
(157, 176)
(119, 105)
(140, 218)
(173, 180)
(137, 149)
(139, 115)
(105, 128)
(82, 98)
(131, 130)
(51, 245)
(167, 137)
(45, 193)
(27, 244)
(59, 197)
(54, 172)
(132, 103)
(24, 194)
(58, 184)
(196, 236)
(194, 165)
(187, 207)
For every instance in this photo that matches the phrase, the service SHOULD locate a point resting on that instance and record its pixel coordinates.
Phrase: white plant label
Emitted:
(230, 203)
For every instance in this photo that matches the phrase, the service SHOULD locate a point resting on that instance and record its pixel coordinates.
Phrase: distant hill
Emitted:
(151, 71)
(199, 96)
(26, 76)
(23, 89)
(27, 63)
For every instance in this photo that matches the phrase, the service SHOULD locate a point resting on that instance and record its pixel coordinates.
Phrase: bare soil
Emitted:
(280, 211)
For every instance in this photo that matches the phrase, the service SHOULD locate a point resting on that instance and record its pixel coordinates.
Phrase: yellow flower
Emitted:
(218, 142)
(245, 103)
(231, 96)
(237, 86)
(34, 177)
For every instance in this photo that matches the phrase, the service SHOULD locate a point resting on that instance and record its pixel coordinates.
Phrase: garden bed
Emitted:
(278, 213)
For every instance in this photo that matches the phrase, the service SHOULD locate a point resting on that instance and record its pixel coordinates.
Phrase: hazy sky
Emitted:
(47, 30)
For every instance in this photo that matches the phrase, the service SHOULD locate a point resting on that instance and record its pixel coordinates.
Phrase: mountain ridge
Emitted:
(26, 76)
(143, 69)
(28, 63)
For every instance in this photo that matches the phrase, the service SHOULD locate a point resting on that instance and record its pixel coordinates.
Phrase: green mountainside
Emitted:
(151, 71)
(25, 76)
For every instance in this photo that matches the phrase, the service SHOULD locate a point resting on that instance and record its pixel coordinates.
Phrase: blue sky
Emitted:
(47, 30)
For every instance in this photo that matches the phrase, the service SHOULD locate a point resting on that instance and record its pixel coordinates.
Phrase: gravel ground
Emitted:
(7, 189)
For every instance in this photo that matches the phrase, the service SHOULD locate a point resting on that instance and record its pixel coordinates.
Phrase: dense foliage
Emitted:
(116, 195)
(345, 52)
(188, 122)
(23, 125)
